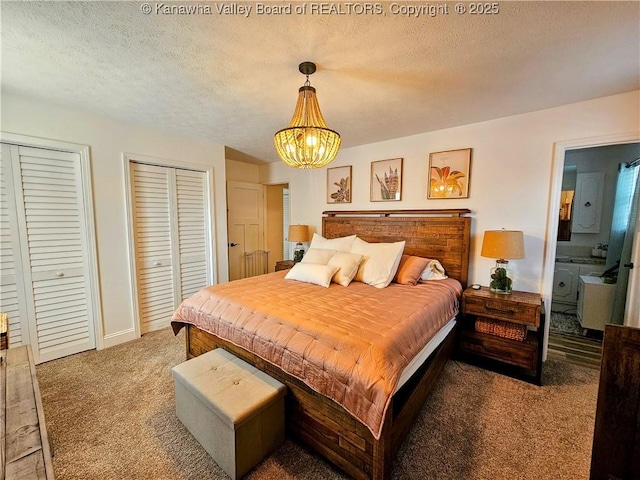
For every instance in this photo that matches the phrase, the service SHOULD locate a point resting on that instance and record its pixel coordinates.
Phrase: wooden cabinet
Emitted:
(518, 358)
(587, 207)
(284, 265)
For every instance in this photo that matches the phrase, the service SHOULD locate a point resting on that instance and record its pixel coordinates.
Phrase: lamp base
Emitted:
(298, 253)
(501, 278)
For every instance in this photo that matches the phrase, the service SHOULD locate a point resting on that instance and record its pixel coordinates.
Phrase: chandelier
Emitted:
(307, 142)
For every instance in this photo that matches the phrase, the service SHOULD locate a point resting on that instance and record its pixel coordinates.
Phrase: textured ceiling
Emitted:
(233, 79)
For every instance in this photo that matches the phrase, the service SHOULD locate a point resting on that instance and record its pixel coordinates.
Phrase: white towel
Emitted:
(434, 271)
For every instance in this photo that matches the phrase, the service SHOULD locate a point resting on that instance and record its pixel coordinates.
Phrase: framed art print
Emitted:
(386, 180)
(449, 174)
(339, 185)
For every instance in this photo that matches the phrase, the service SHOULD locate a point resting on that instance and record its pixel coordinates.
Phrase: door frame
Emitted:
(559, 151)
(127, 158)
(94, 302)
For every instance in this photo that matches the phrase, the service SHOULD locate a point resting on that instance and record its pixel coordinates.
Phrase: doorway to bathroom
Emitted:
(595, 233)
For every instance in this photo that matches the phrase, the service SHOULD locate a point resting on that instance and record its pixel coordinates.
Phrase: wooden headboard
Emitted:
(440, 234)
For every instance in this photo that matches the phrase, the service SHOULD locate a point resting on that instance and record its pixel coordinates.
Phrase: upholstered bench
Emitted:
(233, 409)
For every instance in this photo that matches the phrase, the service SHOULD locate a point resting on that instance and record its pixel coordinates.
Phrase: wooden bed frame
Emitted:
(321, 423)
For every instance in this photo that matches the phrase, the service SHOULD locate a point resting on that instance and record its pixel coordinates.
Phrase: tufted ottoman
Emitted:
(233, 409)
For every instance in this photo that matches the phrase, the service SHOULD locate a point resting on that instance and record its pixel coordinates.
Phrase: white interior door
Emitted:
(245, 222)
(50, 215)
(632, 311)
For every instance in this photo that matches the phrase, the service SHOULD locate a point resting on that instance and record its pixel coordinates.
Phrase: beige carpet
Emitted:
(111, 416)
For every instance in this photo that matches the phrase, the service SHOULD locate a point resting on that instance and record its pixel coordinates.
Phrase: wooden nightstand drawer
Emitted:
(521, 354)
(518, 307)
(283, 265)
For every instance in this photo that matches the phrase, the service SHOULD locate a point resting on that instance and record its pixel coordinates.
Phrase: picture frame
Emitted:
(386, 180)
(449, 174)
(339, 184)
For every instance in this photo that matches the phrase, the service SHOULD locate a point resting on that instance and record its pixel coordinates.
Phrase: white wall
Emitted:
(510, 183)
(108, 139)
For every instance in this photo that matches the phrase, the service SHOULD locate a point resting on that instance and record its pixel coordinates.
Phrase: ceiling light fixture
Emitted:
(307, 142)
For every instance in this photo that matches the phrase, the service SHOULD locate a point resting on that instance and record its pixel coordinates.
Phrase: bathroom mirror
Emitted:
(566, 202)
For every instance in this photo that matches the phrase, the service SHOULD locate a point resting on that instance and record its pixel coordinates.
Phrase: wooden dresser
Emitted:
(25, 450)
(616, 438)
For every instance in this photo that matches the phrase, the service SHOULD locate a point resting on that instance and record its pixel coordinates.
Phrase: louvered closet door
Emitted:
(153, 237)
(12, 299)
(193, 237)
(172, 241)
(49, 204)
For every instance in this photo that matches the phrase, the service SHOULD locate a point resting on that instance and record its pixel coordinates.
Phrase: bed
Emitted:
(338, 420)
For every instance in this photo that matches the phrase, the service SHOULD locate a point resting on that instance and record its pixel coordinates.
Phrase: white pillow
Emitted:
(434, 271)
(379, 263)
(312, 273)
(348, 264)
(320, 256)
(342, 244)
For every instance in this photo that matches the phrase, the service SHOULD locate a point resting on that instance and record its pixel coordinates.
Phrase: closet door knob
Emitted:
(588, 204)
(561, 284)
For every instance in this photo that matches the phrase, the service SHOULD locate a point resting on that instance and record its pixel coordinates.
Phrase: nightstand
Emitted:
(519, 358)
(283, 265)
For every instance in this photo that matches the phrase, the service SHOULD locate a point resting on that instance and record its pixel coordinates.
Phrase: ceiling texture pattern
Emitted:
(233, 79)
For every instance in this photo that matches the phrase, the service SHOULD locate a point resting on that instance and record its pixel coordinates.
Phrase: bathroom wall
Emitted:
(597, 159)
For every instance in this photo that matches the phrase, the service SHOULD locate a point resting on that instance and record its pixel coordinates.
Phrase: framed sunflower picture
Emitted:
(386, 180)
(449, 174)
(339, 185)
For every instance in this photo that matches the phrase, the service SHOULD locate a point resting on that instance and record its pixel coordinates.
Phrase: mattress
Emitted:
(350, 344)
(422, 356)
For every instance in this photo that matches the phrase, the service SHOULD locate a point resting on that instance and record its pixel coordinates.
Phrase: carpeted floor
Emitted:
(110, 415)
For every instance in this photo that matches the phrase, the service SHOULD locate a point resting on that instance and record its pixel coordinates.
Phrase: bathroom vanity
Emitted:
(566, 279)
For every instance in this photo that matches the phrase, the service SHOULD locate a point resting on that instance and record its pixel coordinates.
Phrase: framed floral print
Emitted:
(339, 185)
(386, 180)
(449, 174)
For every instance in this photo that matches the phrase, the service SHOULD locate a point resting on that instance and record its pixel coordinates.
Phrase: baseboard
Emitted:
(119, 337)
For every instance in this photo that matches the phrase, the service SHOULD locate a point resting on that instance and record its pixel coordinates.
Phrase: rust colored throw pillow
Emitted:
(410, 269)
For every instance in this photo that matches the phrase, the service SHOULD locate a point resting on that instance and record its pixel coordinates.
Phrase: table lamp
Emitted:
(502, 245)
(299, 234)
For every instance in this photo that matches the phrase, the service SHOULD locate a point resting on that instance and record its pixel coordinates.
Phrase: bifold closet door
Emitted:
(193, 231)
(51, 236)
(172, 245)
(12, 298)
(153, 242)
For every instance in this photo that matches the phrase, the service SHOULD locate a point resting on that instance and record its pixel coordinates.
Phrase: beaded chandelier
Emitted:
(307, 142)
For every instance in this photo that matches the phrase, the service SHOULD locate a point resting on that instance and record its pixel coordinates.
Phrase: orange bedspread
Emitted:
(350, 344)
